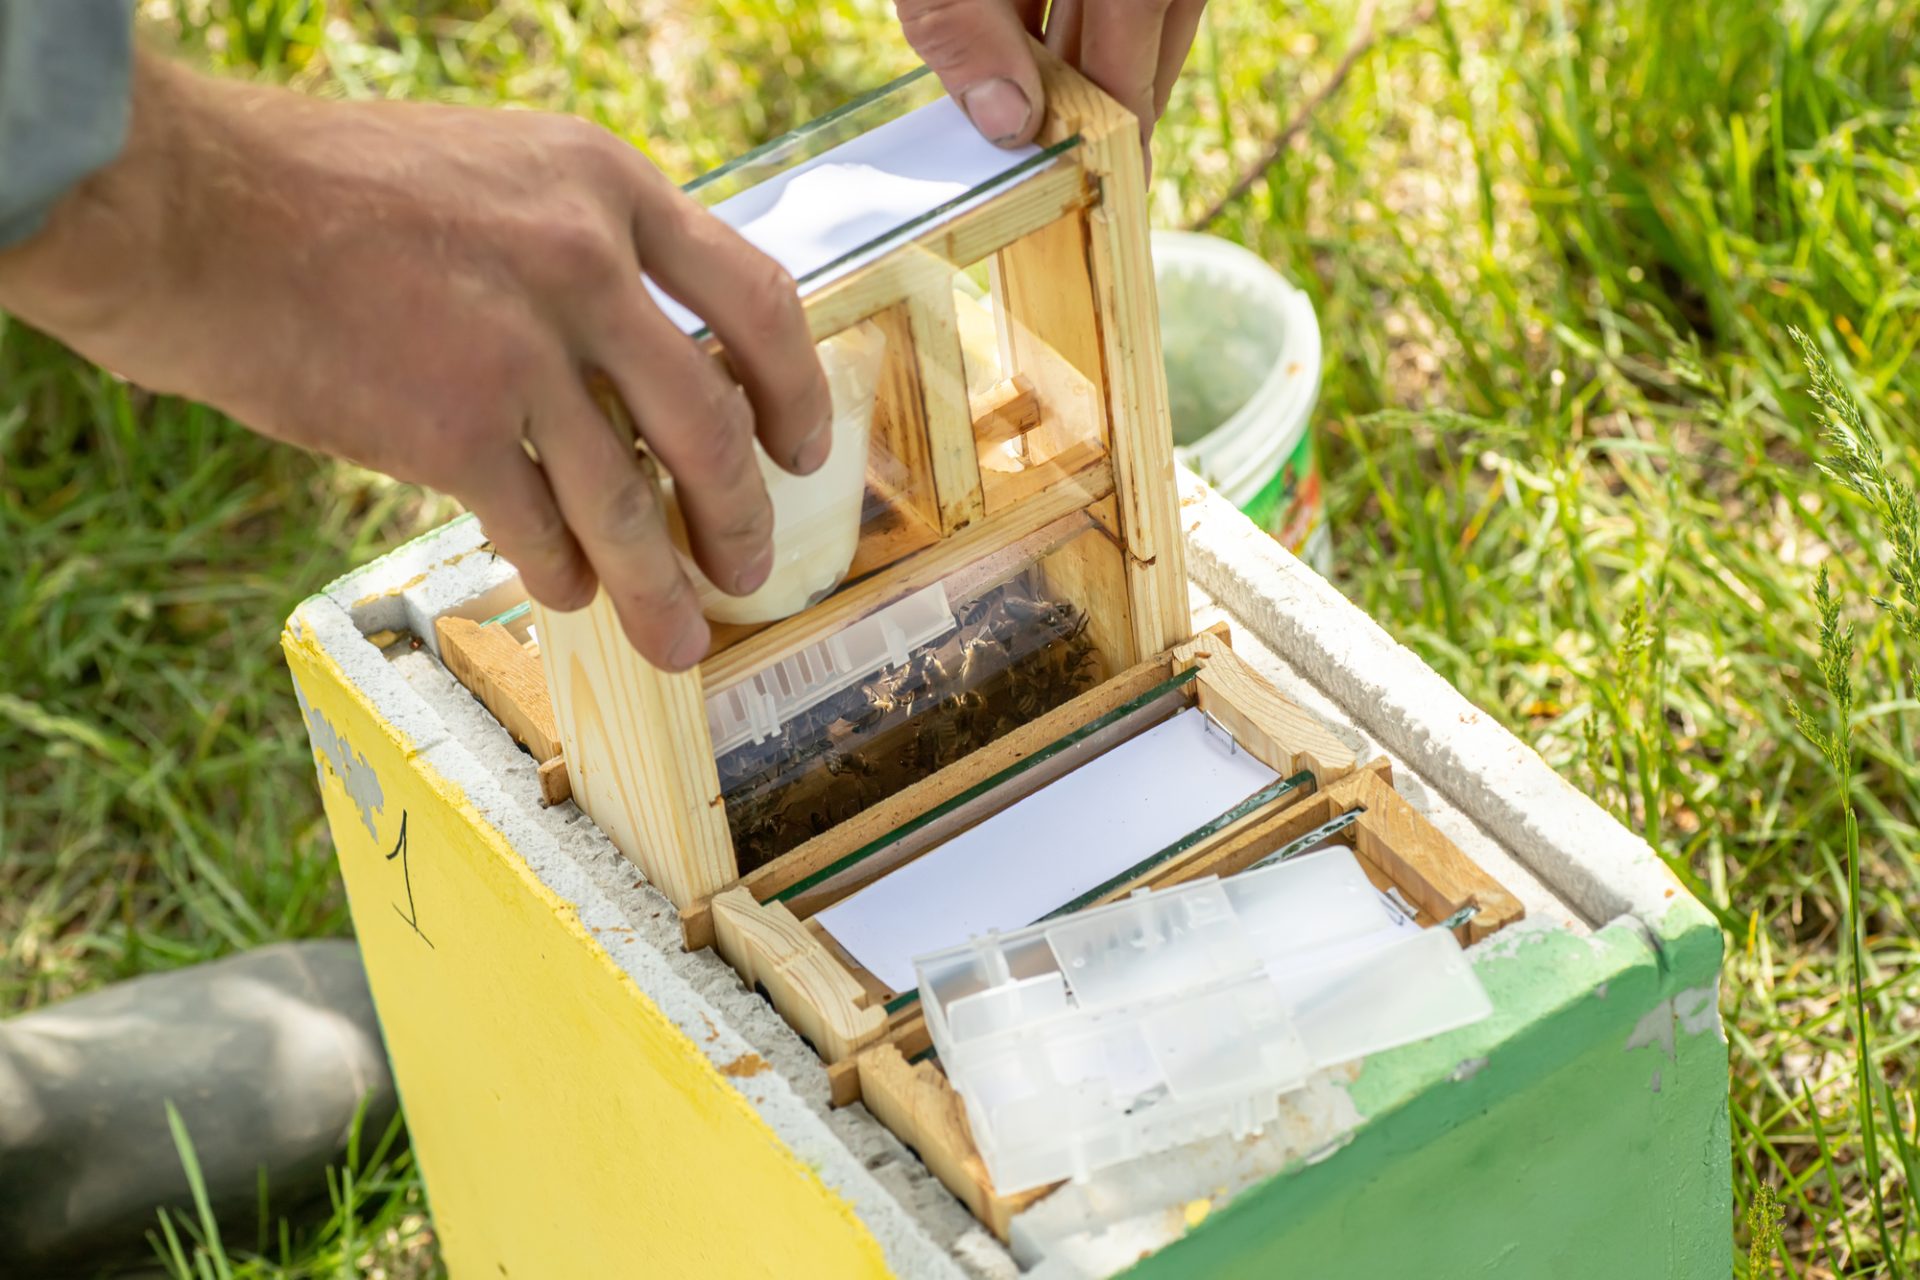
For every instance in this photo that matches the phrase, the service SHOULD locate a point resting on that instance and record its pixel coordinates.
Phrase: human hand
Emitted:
(435, 292)
(1133, 49)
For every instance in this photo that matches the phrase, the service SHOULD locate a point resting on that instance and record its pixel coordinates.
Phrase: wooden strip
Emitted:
(1049, 331)
(555, 786)
(775, 952)
(1067, 495)
(923, 412)
(915, 1100)
(930, 792)
(929, 261)
(1120, 262)
(505, 678)
(1091, 571)
(639, 758)
(1275, 728)
(1008, 409)
(1430, 869)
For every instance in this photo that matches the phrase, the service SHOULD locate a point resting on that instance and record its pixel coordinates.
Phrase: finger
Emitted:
(979, 50)
(613, 507)
(1120, 52)
(1063, 31)
(516, 508)
(1033, 16)
(698, 423)
(1176, 41)
(753, 306)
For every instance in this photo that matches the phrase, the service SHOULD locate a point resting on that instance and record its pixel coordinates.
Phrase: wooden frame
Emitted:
(1072, 263)
(1080, 350)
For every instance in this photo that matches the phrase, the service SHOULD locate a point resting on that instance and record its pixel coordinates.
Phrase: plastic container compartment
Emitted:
(816, 518)
(1180, 1013)
(1242, 350)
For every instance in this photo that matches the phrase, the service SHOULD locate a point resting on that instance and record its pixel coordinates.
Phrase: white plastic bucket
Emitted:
(1243, 369)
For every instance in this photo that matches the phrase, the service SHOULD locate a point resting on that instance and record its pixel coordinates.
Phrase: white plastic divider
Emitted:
(1180, 1014)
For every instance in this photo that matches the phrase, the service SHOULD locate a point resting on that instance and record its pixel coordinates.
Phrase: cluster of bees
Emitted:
(1013, 656)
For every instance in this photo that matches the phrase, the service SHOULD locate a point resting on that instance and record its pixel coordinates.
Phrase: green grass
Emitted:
(1557, 247)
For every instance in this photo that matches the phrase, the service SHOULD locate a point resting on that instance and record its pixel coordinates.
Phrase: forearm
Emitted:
(103, 244)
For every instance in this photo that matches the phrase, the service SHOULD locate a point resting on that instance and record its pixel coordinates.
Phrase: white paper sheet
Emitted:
(1064, 839)
(841, 199)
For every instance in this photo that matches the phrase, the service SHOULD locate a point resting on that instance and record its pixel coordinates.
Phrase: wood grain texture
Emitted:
(775, 952)
(915, 1100)
(1008, 409)
(1091, 571)
(1120, 268)
(555, 786)
(1429, 869)
(1281, 732)
(639, 757)
(506, 679)
(923, 414)
(1049, 331)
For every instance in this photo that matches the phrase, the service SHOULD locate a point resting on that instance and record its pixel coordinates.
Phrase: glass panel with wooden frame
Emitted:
(921, 677)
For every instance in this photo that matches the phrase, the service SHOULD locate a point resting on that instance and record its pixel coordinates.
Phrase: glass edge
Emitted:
(905, 231)
(814, 125)
(1212, 827)
(980, 788)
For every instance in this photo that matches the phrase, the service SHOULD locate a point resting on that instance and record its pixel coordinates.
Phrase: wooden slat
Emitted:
(1281, 732)
(1049, 331)
(1120, 264)
(1067, 495)
(1008, 409)
(506, 679)
(923, 415)
(915, 1100)
(929, 261)
(555, 786)
(1091, 571)
(809, 987)
(639, 758)
(1430, 869)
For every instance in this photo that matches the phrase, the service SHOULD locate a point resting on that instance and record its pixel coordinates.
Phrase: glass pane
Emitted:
(815, 737)
(838, 191)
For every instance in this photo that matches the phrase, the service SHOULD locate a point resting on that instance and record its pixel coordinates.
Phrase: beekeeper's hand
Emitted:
(979, 48)
(432, 292)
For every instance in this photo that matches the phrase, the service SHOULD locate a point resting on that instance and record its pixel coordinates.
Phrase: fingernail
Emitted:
(998, 108)
(748, 580)
(691, 646)
(812, 453)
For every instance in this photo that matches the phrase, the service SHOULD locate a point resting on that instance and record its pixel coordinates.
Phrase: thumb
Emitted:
(979, 50)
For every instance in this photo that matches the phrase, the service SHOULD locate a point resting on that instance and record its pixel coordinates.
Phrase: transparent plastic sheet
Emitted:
(1180, 1013)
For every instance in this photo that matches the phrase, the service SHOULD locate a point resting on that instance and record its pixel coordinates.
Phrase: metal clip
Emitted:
(1233, 744)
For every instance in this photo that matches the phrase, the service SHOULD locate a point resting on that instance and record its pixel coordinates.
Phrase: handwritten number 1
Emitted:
(411, 915)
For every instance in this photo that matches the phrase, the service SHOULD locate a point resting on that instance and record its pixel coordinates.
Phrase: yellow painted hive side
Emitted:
(563, 1121)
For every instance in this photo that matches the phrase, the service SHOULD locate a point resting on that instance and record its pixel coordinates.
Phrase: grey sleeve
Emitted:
(65, 71)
